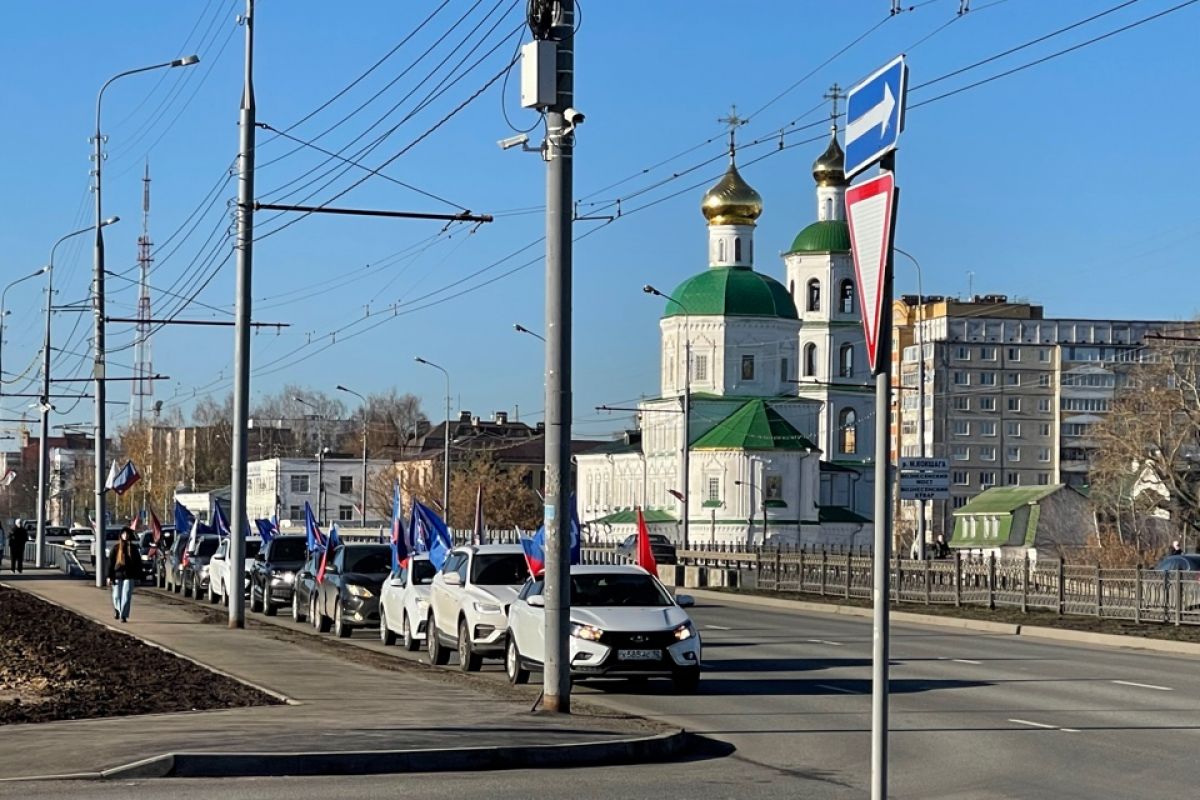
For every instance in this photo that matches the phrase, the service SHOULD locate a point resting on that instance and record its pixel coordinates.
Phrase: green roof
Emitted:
(731, 292)
(1006, 499)
(827, 236)
(754, 426)
(628, 516)
(838, 514)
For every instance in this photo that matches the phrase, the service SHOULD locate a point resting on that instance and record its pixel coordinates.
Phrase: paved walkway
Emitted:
(335, 704)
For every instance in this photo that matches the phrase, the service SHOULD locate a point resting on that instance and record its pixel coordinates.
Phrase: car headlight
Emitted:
(684, 631)
(588, 632)
(359, 591)
(488, 608)
(283, 578)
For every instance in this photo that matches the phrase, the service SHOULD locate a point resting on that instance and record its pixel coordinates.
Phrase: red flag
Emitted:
(155, 527)
(645, 555)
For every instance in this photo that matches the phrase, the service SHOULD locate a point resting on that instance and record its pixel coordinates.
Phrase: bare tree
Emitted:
(509, 496)
(318, 420)
(393, 421)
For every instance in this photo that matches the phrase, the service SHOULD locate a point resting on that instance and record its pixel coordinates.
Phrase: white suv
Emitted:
(404, 603)
(468, 603)
(218, 569)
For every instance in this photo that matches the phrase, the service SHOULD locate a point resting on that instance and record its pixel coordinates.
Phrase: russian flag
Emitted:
(334, 543)
(535, 551)
(400, 549)
(155, 527)
(122, 480)
(316, 541)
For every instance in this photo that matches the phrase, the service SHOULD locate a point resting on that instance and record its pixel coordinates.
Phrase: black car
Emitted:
(193, 574)
(1186, 562)
(303, 587)
(273, 574)
(664, 551)
(170, 565)
(348, 597)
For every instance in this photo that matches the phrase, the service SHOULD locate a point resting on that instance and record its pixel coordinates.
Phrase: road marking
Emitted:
(718, 627)
(966, 661)
(1146, 686)
(824, 641)
(841, 689)
(1044, 725)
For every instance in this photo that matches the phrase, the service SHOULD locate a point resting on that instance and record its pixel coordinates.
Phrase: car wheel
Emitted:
(386, 635)
(340, 628)
(512, 663)
(255, 602)
(686, 681)
(269, 608)
(297, 613)
(438, 654)
(212, 592)
(320, 621)
(410, 641)
(196, 587)
(468, 659)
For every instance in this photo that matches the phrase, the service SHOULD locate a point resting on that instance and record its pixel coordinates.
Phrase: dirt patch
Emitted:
(56, 665)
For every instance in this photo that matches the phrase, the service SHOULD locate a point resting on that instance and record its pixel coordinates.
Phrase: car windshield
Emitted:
(423, 571)
(369, 560)
(207, 547)
(252, 549)
(147, 539)
(617, 589)
(288, 550)
(658, 538)
(506, 569)
(1186, 563)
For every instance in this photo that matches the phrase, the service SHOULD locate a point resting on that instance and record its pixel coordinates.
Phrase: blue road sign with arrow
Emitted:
(875, 116)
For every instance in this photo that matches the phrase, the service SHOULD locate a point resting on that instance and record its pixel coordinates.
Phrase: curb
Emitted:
(961, 623)
(659, 747)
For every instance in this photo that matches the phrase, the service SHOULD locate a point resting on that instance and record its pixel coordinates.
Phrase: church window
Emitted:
(792, 289)
(783, 370)
(747, 368)
(848, 431)
(699, 367)
(713, 494)
(814, 295)
(774, 487)
(750, 250)
(847, 297)
(721, 252)
(810, 359)
(846, 361)
(737, 248)
(828, 208)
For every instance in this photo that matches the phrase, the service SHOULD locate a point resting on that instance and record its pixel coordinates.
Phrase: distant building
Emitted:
(1018, 521)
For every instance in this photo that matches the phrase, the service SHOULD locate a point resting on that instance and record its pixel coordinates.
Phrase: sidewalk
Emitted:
(341, 716)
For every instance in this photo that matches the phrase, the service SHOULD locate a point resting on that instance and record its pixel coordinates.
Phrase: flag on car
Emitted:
(122, 480)
(183, 518)
(312, 531)
(155, 528)
(266, 531)
(426, 526)
(400, 548)
(535, 551)
(334, 543)
(644, 555)
(479, 532)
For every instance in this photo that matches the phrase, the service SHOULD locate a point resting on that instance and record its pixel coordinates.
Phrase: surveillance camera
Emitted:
(573, 116)
(513, 141)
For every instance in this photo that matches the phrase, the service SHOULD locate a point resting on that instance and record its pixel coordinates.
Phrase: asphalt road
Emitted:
(973, 715)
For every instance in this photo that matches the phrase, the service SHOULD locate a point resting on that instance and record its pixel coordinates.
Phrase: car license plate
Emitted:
(638, 655)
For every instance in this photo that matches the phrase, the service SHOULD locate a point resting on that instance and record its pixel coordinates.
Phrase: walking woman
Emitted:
(124, 569)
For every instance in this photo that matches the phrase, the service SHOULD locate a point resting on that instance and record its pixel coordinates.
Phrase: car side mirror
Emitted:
(536, 601)
(396, 583)
(685, 600)
(452, 579)
(217, 557)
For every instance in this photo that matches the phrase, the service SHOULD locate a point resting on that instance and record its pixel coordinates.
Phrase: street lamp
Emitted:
(519, 328)
(321, 451)
(4, 313)
(446, 465)
(44, 405)
(920, 395)
(762, 493)
(98, 302)
(341, 388)
(685, 466)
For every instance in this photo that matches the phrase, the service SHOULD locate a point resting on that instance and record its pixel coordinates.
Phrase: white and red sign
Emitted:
(870, 212)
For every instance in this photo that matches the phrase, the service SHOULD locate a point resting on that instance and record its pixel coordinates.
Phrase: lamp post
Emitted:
(519, 328)
(446, 458)
(321, 451)
(762, 493)
(341, 388)
(920, 395)
(685, 465)
(44, 405)
(98, 302)
(4, 313)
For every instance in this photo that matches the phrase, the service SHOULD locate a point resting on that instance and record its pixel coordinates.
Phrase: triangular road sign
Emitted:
(870, 211)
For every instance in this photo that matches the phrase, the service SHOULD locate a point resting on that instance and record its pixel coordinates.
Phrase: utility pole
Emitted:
(241, 336)
(921, 546)
(560, 145)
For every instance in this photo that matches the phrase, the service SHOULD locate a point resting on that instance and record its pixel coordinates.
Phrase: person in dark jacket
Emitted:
(16, 547)
(124, 570)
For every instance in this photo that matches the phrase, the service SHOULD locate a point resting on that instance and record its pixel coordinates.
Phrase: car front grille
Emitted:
(638, 641)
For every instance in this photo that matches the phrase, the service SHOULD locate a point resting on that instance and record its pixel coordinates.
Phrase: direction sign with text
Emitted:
(875, 115)
(870, 212)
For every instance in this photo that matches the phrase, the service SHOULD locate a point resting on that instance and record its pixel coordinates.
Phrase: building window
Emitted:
(987, 404)
(1012, 379)
(846, 361)
(987, 428)
(346, 484)
(700, 367)
(1013, 429)
(962, 378)
(987, 379)
(959, 502)
(774, 487)
(721, 251)
(1014, 479)
(1044, 355)
(987, 453)
(1044, 429)
(1043, 479)
(847, 297)
(962, 427)
(987, 479)
(1044, 454)
(1044, 380)
(962, 404)
(747, 368)
(961, 477)
(299, 484)
(987, 353)
(295, 513)
(737, 248)
(1044, 404)
(810, 359)
(1012, 454)
(1014, 404)
(962, 353)
(1014, 354)
(783, 370)
(345, 513)
(848, 431)
(713, 494)
(960, 452)
(814, 295)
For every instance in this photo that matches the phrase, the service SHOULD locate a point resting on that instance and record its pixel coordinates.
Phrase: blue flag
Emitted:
(429, 529)
(183, 519)
(265, 529)
(217, 519)
(316, 541)
(400, 548)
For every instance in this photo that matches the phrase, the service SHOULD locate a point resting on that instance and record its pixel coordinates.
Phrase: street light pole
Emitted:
(446, 456)
(320, 456)
(762, 493)
(920, 395)
(98, 313)
(364, 449)
(686, 462)
(4, 313)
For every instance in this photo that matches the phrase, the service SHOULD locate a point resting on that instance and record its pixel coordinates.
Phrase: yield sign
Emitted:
(870, 208)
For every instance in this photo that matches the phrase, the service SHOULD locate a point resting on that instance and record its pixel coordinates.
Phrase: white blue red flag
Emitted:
(122, 480)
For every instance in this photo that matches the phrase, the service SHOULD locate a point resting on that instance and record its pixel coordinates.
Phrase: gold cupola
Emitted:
(731, 201)
(830, 167)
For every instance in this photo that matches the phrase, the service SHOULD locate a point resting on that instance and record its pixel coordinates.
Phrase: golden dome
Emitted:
(731, 201)
(830, 168)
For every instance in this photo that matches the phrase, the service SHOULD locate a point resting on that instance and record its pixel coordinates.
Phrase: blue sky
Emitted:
(1060, 184)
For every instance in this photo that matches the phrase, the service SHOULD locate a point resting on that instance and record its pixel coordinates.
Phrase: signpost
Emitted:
(924, 479)
(874, 119)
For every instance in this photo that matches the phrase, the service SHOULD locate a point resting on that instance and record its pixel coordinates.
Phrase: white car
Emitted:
(404, 604)
(218, 568)
(624, 623)
(468, 603)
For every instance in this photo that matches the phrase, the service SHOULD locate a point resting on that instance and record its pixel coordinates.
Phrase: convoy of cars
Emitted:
(272, 574)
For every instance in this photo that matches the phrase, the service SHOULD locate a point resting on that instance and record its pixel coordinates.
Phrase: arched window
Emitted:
(846, 361)
(847, 297)
(721, 251)
(810, 360)
(814, 295)
(737, 248)
(828, 208)
(847, 431)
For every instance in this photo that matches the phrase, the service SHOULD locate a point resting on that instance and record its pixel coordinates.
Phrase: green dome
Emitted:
(823, 237)
(731, 292)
